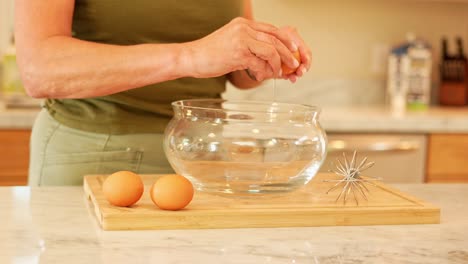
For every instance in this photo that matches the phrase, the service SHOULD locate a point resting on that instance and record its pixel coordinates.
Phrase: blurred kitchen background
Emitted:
(350, 80)
(350, 41)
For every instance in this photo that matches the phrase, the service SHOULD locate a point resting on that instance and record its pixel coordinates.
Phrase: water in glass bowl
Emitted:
(247, 167)
(245, 148)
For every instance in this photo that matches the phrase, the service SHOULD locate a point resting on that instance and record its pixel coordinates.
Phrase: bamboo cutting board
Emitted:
(310, 206)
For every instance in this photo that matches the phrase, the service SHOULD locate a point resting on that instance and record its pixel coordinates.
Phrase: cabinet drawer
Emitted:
(14, 148)
(399, 158)
(448, 158)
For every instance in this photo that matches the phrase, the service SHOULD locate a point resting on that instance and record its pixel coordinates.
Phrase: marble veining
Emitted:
(54, 225)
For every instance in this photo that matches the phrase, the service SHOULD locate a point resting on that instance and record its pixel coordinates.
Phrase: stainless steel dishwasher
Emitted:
(399, 158)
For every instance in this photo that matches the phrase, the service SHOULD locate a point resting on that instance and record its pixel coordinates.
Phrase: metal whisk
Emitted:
(351, 181)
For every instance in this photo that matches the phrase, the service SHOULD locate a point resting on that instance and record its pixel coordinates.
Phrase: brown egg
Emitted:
(171, 192)
(123, 188)
(286, 70)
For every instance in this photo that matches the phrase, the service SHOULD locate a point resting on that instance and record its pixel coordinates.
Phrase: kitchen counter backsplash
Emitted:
(371, 119)
(318, 92)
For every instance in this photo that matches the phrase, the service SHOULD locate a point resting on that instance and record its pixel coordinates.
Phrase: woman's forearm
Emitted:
(64, 67)
(53, 64)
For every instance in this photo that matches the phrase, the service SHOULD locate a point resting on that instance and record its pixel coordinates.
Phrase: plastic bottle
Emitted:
(409, 75)
(11, 81)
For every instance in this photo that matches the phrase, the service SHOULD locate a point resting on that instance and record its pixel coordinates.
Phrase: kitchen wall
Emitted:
(349, 40)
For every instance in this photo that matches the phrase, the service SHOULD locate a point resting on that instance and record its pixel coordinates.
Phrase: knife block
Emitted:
(453, 90)
(453, 93)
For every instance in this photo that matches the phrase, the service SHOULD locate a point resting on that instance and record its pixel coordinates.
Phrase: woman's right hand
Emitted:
(242, 44)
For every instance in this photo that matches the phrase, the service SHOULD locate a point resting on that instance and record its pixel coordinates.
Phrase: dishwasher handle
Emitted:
(383, 146)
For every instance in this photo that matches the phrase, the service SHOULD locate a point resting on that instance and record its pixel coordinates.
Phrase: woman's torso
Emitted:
(145, 109)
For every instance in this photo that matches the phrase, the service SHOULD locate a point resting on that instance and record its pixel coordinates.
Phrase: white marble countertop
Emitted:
(53, 225)
(381, 119)
(337, 120)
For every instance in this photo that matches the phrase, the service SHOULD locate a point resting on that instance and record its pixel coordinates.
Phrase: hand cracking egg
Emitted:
(171, 192)
(286, 70)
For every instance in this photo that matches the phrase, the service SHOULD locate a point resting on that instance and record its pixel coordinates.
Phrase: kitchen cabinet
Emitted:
(406, 158)
(399, 158)
(14, 148)
(447, 158)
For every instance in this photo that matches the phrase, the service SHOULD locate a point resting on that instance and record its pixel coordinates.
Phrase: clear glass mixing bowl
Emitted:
(245, 148)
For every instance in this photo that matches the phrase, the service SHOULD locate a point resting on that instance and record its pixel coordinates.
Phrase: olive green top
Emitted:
(146, 109)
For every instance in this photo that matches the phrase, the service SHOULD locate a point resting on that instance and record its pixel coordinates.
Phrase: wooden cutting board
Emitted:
(310, 206)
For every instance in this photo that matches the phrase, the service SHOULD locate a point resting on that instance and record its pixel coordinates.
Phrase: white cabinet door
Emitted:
(398, 158)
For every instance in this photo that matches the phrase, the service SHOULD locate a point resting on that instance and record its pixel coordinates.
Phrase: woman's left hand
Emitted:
(304, 51)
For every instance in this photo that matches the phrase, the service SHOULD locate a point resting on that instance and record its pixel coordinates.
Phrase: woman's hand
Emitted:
(243, 44)
(304, 51)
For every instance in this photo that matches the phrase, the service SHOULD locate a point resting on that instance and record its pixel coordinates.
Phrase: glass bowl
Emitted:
(243, 148)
